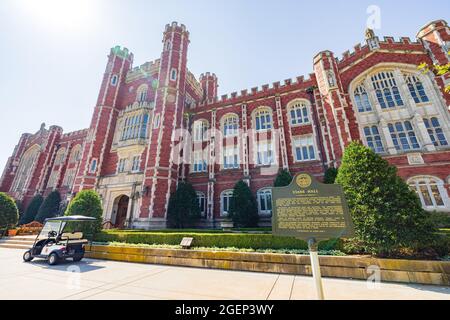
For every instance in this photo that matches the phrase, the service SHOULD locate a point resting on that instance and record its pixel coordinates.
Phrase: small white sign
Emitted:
(415, 159)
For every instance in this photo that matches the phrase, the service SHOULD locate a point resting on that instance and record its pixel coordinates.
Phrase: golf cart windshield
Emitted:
(51, 226)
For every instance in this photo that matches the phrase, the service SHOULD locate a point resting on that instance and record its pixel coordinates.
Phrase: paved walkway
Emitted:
(99, 279)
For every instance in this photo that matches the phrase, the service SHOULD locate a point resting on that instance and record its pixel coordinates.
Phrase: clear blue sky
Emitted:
(54, 51)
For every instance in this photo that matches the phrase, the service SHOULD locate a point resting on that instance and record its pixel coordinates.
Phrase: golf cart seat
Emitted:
(73, 238)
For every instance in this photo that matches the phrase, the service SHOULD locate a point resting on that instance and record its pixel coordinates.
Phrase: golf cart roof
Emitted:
(71, 218)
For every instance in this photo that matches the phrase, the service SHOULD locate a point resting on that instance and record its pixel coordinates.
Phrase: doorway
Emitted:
(122, 210)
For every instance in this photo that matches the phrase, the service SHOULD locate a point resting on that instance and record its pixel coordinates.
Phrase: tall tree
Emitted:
(387, 214)
(32, 210)
(50, 207)
(243, 207)
(86, 203)
(183, 207)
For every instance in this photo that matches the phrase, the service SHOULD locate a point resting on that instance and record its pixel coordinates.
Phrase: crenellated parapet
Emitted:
(146, 70)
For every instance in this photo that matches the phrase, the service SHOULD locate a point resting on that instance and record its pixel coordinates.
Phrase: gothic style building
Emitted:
(157, 124)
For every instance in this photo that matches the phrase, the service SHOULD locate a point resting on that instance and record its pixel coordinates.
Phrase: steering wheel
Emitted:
(52, 234)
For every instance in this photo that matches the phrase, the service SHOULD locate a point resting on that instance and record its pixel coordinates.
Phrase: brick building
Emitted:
(157, 124)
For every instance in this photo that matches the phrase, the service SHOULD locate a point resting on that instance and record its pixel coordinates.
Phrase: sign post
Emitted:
(311, 211)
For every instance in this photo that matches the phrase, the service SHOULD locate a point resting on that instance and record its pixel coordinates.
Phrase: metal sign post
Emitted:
(315, 266)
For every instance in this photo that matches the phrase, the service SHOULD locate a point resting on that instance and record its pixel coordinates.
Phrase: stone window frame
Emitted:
(428, 182)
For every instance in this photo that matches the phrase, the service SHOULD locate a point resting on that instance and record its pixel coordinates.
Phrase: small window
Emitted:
(173, 74)
(136, 163)
(231, 158)
(225, 201)
(431, 192)
(121, 166)
(264, 197)
(373, 139)
(230, 126)
(114, 80)
(202, 203)
(156, 123)
(299, 114)
(435, 132)
(263, 120)
(93, 167)
(265, 154)
(362, 99)
(416, 89)
(403, 136)
(304, 148)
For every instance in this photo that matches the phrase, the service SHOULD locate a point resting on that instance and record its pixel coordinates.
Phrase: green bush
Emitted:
(183, 207)
(86, 203)
(32, 210)
(440, 219)
(387, 214)
(49, 208)
(9, 215)
(284, 179)
(210, 240)
(243, 207)
(330, 175)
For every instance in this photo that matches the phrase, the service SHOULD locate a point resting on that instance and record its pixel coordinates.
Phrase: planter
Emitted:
(12, 232)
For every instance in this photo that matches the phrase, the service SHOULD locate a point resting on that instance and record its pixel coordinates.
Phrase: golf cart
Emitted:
(55, 244)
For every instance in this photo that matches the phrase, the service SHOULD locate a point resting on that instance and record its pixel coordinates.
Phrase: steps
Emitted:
(19, 242)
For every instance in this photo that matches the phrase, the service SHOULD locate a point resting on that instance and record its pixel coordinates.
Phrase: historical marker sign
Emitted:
(308, 209)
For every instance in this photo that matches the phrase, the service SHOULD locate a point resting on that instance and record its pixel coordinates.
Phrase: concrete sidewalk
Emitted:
(96, 279)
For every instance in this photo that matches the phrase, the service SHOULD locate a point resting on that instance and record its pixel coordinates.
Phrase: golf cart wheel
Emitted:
(53, 259)
(27, 257)
(78, 257)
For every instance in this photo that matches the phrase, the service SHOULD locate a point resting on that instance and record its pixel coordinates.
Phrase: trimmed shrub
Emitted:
(284, 179)
(440, 219)
(211, 240)
(19, 208)
(9, 215)
(387, 214)
(32, 210)
(86, 203)
(243, 207)
(330, 175)
(49, 208)
(183, 207)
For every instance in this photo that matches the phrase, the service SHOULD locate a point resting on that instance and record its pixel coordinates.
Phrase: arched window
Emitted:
(299, 113)
(362, 99)
(114, 80)
(416, 89)
(53, 180)
(263, 120)
(141, 95)
(387, 91)
(69, 178)
(403, 136)
(200, 130)
(373, 139)
(25, 167)
(202, 203)
(225, 201)
(75, 155)
(60, 155)
(264, 197)
(435, 132)
(230, 125)
(431, 192)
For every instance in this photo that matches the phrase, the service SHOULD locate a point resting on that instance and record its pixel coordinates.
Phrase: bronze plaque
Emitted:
(308, 209)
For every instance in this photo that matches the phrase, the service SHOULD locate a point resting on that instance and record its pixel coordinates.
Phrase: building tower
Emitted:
(209, 85)
(101, 130)
(161, 171)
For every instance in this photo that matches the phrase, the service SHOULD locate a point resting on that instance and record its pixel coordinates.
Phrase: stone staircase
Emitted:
(18, 242)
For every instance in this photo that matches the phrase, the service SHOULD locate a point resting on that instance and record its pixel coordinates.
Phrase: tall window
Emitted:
(373, 138)
(304, 148)
(387, 91)
(52, 181)
(25, 167)
(225, 200)
(121, 165)
(199, 162)
(93, 167)
(200, 130)
(69, 177)
(403, 136)
(75, 155)
(136, 163)
(299, 114)
(416, 89)
(230, 126)
(142, 93)
(201, 203)
(135, 127)
(362, 99)
(264, 197)
(231, 157)
(430, 190)
(265, 154)
(263, 120)
(435, 132)
(60, 155)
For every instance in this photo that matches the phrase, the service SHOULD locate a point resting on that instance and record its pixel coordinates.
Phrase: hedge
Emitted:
(218, 240)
